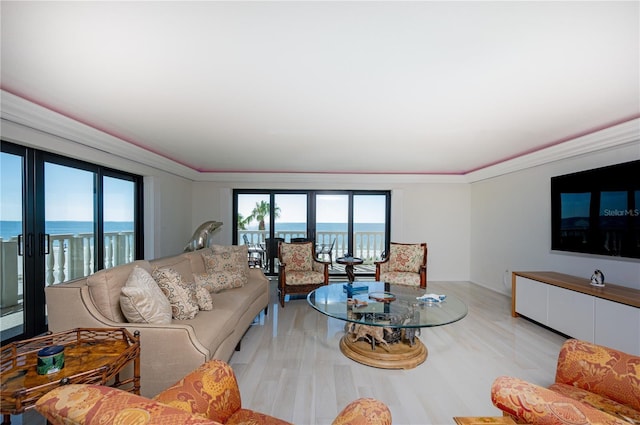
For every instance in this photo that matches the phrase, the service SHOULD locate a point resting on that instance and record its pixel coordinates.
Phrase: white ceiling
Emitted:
(340, 87)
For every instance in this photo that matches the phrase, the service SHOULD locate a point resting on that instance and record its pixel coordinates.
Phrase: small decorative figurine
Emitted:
(597, 279)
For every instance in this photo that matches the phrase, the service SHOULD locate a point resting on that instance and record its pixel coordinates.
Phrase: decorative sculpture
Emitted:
(597, 278)
(372, 334)
(201, 237)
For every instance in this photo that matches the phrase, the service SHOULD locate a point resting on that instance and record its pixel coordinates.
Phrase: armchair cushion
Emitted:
(364, 411)
(594, 384)
(78, 404)
(600, 402)
(406, 257)
(532, 404)
(208, 395)
(401, 278)
(304, 278)
(297, 257)
(211, 391)
(601, 370)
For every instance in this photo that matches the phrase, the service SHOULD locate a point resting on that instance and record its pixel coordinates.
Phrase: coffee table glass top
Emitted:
(382, 304)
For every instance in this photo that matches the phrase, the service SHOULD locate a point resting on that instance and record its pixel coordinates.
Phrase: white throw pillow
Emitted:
(142, 300)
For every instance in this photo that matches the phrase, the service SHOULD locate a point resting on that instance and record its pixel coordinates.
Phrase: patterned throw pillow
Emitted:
(226, 266)
(205, 302)
(218, 281)
(181, 295)
(142, 300)
(231, 258)
(406, 258)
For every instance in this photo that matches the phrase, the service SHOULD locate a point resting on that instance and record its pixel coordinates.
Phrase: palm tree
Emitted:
(244, 222)
(262, 211)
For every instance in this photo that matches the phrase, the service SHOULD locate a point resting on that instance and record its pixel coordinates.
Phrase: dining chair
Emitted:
(255, 252)
(326, 249)
(271, 245)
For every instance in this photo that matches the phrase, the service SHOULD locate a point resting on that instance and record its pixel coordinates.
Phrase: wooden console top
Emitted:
(610, 291)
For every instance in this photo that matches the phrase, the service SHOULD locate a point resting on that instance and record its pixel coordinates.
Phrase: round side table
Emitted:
(348, 263)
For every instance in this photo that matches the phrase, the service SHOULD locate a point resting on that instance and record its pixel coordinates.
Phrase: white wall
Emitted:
(511, 225)
(436, 213)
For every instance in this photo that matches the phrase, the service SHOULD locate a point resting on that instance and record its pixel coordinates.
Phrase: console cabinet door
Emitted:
(618, 326)
(531, 299)
(571, 313)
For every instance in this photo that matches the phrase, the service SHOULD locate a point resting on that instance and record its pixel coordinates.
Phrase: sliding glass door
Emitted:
(12, 242)
(62, 219)
(69, 213)
(338, 222)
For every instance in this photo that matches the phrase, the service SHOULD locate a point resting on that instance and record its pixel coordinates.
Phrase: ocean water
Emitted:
(9, 229)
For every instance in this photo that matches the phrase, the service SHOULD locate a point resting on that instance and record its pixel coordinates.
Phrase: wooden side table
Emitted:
(348, 263)
(91, 356)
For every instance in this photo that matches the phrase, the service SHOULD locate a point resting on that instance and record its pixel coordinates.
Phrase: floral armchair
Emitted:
(209, 395)
(300, 271)
(406, 264)
(593, 385)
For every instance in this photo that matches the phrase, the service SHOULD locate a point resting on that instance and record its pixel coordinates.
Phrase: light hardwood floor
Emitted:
(291, 367)
(290, 364)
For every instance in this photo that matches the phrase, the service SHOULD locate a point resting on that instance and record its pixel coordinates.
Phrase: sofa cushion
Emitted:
(181, 294)
(180, 264)
(196, 260)
(218, 281)
(105, 286)
(142, 300)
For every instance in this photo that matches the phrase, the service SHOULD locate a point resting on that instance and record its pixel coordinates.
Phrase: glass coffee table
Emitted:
(383, 320)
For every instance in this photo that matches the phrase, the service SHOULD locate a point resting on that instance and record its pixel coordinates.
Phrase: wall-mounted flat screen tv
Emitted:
(597, 211)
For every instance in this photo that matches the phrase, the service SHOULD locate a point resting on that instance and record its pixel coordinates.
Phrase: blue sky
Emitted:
(330, 208)
(68, 193)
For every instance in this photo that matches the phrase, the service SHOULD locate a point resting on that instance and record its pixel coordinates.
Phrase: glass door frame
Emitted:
(34, 230)
(311, 212)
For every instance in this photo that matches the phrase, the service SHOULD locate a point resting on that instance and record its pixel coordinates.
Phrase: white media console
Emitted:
(608, 315)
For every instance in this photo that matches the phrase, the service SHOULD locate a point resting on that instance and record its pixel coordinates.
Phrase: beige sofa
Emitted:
(168, 352)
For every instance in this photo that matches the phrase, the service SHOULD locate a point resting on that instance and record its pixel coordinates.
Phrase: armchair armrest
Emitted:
(364, 411)
(320, 266)
(382, 266)
(210, 391)
(85, 404)
(532, 404)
